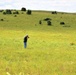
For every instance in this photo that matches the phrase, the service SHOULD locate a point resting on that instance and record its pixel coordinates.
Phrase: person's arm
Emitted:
(28, 36)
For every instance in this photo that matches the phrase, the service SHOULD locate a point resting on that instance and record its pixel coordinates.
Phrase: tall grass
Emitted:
(49, 51)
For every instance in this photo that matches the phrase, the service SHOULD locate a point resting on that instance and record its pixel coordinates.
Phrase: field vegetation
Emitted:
(51, 50)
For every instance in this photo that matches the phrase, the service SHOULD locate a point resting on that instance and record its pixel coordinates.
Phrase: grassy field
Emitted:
(51, 50)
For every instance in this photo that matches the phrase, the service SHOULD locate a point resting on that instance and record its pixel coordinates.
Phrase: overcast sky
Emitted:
(52, 5)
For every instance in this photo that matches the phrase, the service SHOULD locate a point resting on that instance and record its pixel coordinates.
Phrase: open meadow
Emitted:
(51, 50)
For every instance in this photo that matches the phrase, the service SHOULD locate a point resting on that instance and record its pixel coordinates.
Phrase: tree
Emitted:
(15, 15)
(23, 9)
(62, 23)
(49, 23)
(54, 12)
(47, 19)
(29, 12)
(4, 13)
(40, 22)
(8, 12)
(15, 12)
(1, 10)
(1, 19)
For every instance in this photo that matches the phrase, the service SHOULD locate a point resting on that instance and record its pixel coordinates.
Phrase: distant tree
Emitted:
(40, 22)
(47, 19)
(22, 13)
(15, 15)
(48, 23)
(29, 12)
(23, 9)
(8, 12)
(1, 10)
(4, 13)
(54, 12)
(15, 12)
(2, 19)
(62, 23)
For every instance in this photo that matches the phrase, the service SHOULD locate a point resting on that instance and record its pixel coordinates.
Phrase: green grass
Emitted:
(50, 50)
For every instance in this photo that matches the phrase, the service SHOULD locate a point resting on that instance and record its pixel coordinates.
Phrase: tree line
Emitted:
(8, 11)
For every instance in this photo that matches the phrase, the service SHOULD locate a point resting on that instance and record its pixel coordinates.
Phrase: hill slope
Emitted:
(51, 49)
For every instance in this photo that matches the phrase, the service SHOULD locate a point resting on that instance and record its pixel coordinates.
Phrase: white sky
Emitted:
(52, 5)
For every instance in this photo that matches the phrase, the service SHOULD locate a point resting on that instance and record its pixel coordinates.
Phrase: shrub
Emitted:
(8, 12)
(54, 12)
(47, 19)
(1, 10)
(2, 19)
(22, 13)
(72, 43)
(15, 12)
(4, 13)
(49, 23)
(62, 23)
(66, 25)
(23, 9)
(29, 12)
(40, 22)
(15, 15)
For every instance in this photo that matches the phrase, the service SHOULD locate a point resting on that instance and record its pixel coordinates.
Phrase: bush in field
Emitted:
(23, 9)
(40, 22)
(1, 10)
(4, 13)
(15, 12)
(62, 23)
(22, 13)
(47, 19)
(15, 15)
(29, 12)
(54, 12)
(66, 25)
(1, 19)
(72, 43)
(8, 12)
(48, 23)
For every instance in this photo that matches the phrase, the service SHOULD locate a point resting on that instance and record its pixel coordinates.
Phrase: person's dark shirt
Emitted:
(25, 38)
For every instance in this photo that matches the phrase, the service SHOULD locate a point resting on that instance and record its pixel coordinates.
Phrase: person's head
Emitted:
(27, 36)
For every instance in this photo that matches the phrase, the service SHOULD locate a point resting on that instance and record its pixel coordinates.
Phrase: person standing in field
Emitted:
(25, 41)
